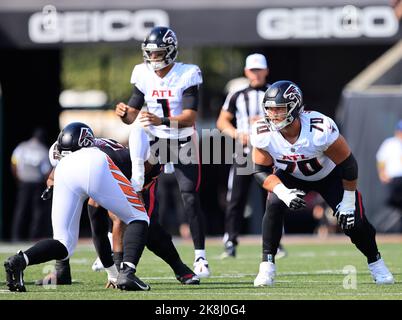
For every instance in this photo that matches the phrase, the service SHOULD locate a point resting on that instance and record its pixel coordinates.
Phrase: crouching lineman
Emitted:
(159, 241)
(86, 171)
(309, 154)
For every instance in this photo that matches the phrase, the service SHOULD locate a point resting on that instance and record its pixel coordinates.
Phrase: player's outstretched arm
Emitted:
(263, 172)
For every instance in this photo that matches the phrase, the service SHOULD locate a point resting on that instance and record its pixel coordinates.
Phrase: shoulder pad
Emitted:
(259, 134)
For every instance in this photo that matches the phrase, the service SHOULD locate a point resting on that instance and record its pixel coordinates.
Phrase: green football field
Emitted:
(312, 270)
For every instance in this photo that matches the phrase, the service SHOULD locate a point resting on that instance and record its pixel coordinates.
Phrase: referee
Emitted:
(240, 110)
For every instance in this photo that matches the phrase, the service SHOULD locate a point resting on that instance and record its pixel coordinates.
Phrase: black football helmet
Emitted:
(163, 40)
(73, 137)
(282, 94)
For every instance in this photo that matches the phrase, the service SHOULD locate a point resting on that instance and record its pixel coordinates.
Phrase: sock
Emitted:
(99, 226)
(268, 258)
(374, 258)
(199, 254)
(112, 272)
(134, 241)
(118, 259)
(46, 250)
(129, 264)
(26, 258)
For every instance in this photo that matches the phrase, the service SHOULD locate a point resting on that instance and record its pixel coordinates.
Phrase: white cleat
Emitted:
(97, 265)
(380, 272)
(266, 274)
(201, 268)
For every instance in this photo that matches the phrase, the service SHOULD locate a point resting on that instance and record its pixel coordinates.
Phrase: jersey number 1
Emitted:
(165, 107)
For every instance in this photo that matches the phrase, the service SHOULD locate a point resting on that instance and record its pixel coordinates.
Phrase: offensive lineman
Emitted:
(159, 241)
(86, 171)
(170, 91)
(309, 154)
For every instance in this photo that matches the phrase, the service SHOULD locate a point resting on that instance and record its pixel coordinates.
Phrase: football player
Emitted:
(170, 91)
(86, 171)
(308, 154)
(159, 241)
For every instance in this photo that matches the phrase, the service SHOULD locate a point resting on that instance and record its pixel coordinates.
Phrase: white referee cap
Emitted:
(256, 61)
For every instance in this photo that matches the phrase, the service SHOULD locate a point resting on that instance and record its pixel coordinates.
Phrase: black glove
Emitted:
(47, 194)
(297, 203)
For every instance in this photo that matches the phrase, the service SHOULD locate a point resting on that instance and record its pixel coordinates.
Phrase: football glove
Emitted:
(291, 197)
(345, 210)
(47, 194)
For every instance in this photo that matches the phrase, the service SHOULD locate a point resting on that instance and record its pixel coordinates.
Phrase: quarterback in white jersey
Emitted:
(169, 91)
(294, 152)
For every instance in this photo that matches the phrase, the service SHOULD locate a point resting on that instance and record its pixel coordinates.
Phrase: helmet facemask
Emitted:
(162, 40)
(166, 57)
(291, 100)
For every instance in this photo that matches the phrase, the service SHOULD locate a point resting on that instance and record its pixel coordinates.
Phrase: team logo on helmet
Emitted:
(170, 37)
(293, 94)
(86, 138)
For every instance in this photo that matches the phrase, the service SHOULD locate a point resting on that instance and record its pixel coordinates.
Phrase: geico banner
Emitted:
(251, 26)
(95, 26)
(316, 23)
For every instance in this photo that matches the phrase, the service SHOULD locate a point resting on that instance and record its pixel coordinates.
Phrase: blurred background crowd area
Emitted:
(71, 61)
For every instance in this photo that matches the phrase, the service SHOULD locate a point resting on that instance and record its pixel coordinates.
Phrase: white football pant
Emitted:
(85, 173)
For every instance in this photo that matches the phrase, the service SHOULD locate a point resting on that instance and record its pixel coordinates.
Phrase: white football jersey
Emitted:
(163, 96)
(305, 159)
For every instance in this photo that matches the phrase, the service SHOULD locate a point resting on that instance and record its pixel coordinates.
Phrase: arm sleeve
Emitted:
(190, 98)
(136, 100)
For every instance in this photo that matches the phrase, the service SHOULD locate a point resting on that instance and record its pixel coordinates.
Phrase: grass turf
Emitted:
(309, 272)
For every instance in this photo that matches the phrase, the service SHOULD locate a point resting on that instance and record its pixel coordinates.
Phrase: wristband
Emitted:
(165, 121)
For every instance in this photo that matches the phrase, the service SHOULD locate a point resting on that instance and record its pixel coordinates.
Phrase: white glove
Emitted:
(345, 210)
(292, 197)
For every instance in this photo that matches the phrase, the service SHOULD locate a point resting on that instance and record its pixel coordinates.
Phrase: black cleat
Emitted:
(186, 276)
(189, 278)
(230, 250)
(15, 266)
(127, 280)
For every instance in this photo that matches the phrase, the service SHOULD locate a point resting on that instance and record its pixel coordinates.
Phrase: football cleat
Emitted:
(380, 272)
(14, 267)
(266, 274)
(97, 265)
(230, 250)
(127, 280)
(186, 276)
(201, 268)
